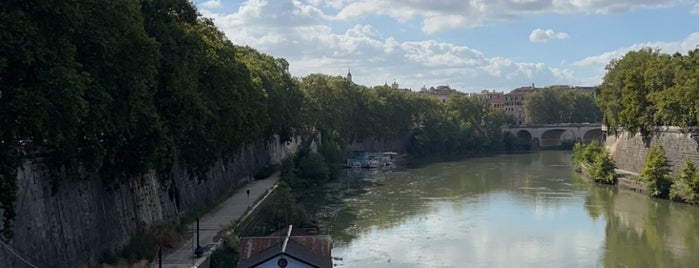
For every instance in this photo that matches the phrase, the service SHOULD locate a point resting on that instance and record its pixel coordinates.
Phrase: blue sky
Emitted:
(470, 45)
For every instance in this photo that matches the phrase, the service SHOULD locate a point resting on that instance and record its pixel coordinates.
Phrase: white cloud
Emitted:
(541, 35)
(689, 43)
(456, 14)
(594, 65)
(695, 9)
(211, 4)
(301, 34)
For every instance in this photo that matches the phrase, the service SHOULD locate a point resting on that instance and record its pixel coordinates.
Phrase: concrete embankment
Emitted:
(630, 150)
(83, 220)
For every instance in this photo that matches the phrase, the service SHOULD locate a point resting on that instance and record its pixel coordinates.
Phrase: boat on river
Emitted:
(370, 160)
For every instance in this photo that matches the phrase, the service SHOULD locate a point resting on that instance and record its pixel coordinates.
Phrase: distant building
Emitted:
(295, 248)
(443, 93)
(496, 99)
(514, 103)
(395, 84)
(349, 76)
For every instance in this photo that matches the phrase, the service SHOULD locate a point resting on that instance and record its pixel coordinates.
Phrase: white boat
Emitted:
(373, 163)
(389, 157)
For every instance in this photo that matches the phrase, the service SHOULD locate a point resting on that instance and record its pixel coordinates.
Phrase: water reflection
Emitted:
(511, 210)
(645, 232)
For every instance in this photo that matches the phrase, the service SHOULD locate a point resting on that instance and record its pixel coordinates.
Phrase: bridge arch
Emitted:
(556, 137)
(593, 135)
(524, 137)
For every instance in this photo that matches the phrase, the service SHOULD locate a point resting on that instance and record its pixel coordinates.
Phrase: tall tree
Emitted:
(556, 105)
(645, 89)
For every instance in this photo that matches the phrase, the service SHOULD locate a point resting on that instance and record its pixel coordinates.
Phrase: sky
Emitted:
(470, 45)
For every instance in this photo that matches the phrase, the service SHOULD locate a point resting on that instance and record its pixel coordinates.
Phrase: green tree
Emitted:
(282, 210)
(557, 105)
(331, 150)
(602, 169)
(654, 89)
(655, 172)
(685, 188)
(284, 99)
(313, 169)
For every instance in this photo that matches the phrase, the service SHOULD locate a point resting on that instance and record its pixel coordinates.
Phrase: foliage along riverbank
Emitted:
(595, 162)
(158, 83)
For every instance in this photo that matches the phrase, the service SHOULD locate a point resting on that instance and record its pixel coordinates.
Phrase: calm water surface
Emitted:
(525, 210)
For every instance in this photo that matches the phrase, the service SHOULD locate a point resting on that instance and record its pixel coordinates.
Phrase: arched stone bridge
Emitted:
(553, 135)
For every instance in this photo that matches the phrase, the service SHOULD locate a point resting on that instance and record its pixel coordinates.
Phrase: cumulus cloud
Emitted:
(306, 34)
(695, 9)
(455, 14)
(541, 35)
(301, 33)
(688, 43)
(595, 64)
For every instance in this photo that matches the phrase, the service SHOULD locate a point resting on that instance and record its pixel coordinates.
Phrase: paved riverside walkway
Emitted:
(215, 221)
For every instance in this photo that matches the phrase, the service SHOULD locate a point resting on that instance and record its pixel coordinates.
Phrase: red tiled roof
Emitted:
(321, 245)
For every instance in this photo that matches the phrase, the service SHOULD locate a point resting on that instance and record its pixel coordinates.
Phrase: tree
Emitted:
(556, 105)
(313, 169)
(655, 172)
(686, 187)
(602, 169)
(654, 89)
(282, 210)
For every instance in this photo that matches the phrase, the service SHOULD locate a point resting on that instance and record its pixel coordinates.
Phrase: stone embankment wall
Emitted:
(630, 151)
(75, 225)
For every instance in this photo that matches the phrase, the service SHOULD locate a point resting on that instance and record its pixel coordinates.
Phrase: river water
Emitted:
(521, 210)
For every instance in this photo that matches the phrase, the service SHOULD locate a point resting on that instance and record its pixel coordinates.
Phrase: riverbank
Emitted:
(629, 181)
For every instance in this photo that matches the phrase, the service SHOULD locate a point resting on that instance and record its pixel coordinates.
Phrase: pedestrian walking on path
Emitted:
(213, 222)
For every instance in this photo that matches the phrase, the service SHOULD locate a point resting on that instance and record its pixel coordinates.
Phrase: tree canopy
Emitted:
(646, 88)
(122, 87)
(118, 88)
(556, 105)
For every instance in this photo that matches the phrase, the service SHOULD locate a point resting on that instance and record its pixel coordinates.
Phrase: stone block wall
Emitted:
(75, 225)
(630, 151)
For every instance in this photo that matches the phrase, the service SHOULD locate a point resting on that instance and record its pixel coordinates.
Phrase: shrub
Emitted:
(578, 160)
(288, 170)
(591, 151)
(224, 257)
(313, 169)
(281, 210)
(332, 153)
(655, 172)
(599, 161)
(602, 169)
(143, 245)
(685, 188)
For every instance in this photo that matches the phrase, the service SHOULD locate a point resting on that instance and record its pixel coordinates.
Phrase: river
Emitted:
(519, 210)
